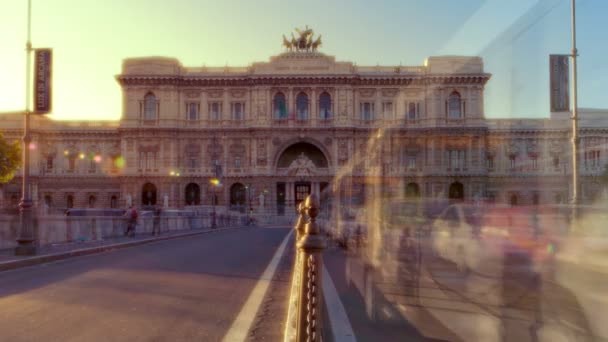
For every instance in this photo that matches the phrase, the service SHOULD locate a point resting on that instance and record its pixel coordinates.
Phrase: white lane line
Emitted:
(341, 329)
(241, 325)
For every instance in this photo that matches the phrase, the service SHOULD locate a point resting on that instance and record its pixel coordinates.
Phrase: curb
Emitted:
(36, 260)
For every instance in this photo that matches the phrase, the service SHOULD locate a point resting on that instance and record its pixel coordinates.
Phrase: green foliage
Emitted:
(604, 175)
(10, 159)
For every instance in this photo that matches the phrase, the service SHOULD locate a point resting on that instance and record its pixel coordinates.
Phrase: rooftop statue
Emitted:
(304, 41)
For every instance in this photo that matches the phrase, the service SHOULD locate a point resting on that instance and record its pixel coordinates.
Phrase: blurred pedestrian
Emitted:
(131, 216)
(156, 225)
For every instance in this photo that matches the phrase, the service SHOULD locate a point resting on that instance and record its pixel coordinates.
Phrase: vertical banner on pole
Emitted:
(559, 82)
(42, 80)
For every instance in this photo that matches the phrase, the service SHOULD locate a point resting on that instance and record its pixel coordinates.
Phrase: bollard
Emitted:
(306, 286)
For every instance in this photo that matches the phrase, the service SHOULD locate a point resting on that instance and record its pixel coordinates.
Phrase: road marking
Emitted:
(241, 325)
(340, 325)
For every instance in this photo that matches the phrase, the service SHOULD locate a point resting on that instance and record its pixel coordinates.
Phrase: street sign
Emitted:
(560, 87)
(42, 80)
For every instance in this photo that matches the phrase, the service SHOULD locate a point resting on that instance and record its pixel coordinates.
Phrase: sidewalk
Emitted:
(60, 251)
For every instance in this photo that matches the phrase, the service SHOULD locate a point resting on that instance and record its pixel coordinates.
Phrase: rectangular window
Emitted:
(367, 111)
(456, 159)
(237, 162)
(556, 163)
(534, 163)
(387, 110)
(411, 162)
(513, 161)
(592, 159)
(411, 111)
(142, 160)
(92, 165)
(193, 111)
(49, 163)
(215, 110)
(237, 110)
(490, 162)
(149, 160)
(192, 162)
(71, 164)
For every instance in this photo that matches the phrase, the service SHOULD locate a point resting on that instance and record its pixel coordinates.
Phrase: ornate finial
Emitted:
(312, 210)
(301, 211)
(304, 42)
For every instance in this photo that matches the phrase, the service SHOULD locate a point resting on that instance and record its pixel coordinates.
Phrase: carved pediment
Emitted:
(533, 148)
(192, 93)
(302, 166)
(367, 92)
(512, 149)
(237, 149)
(556, 147)
(390, 92)
(192, 148)
(238, 93)
(215, 93)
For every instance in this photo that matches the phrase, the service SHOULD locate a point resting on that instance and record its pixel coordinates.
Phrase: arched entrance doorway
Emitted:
(300, 162)
(412, 190)
(192, 194)
(237, 196)
(302, 152)
(456, 191)
(148, 194)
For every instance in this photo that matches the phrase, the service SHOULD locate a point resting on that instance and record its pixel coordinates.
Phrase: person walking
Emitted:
(156, 225)
(131, 215)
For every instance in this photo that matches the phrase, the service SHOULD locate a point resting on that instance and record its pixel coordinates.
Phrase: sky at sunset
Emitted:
(91, 38)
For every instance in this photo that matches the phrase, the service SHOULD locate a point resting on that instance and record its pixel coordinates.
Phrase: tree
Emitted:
(10, 159)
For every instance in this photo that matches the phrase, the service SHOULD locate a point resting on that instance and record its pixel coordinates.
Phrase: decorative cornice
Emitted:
(273, 80)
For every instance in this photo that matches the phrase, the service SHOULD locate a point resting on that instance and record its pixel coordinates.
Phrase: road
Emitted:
(189, 289)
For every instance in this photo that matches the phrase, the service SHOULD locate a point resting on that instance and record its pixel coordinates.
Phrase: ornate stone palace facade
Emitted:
(303, 122)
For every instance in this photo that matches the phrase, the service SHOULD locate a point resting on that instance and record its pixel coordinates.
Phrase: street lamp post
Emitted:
(575, 138)
(26, 240)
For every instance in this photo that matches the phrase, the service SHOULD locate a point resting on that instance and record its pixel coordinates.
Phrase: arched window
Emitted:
(412, 190)
(70, 201)
(150, 107)
(148, 194)
(237, 195)
(192, 194)
(92, 201)
(302, 106)
(280, 106)
(113, 202)
(456, 191)
(454, 106)
(324, 106)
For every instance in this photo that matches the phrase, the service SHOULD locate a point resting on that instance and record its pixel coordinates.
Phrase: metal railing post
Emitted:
(310, 298)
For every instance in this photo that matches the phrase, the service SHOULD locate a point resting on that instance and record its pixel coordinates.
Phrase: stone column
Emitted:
(289, 196)
(172, 195)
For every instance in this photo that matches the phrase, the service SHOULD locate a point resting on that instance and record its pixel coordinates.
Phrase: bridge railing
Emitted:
(53, 229)
(306, 307)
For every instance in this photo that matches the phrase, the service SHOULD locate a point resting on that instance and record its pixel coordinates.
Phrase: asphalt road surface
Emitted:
(189, 289)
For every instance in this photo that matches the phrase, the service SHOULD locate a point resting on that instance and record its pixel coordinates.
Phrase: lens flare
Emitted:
(119, 162)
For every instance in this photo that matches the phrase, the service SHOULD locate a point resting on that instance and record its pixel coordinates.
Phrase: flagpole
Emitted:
(575, 138)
